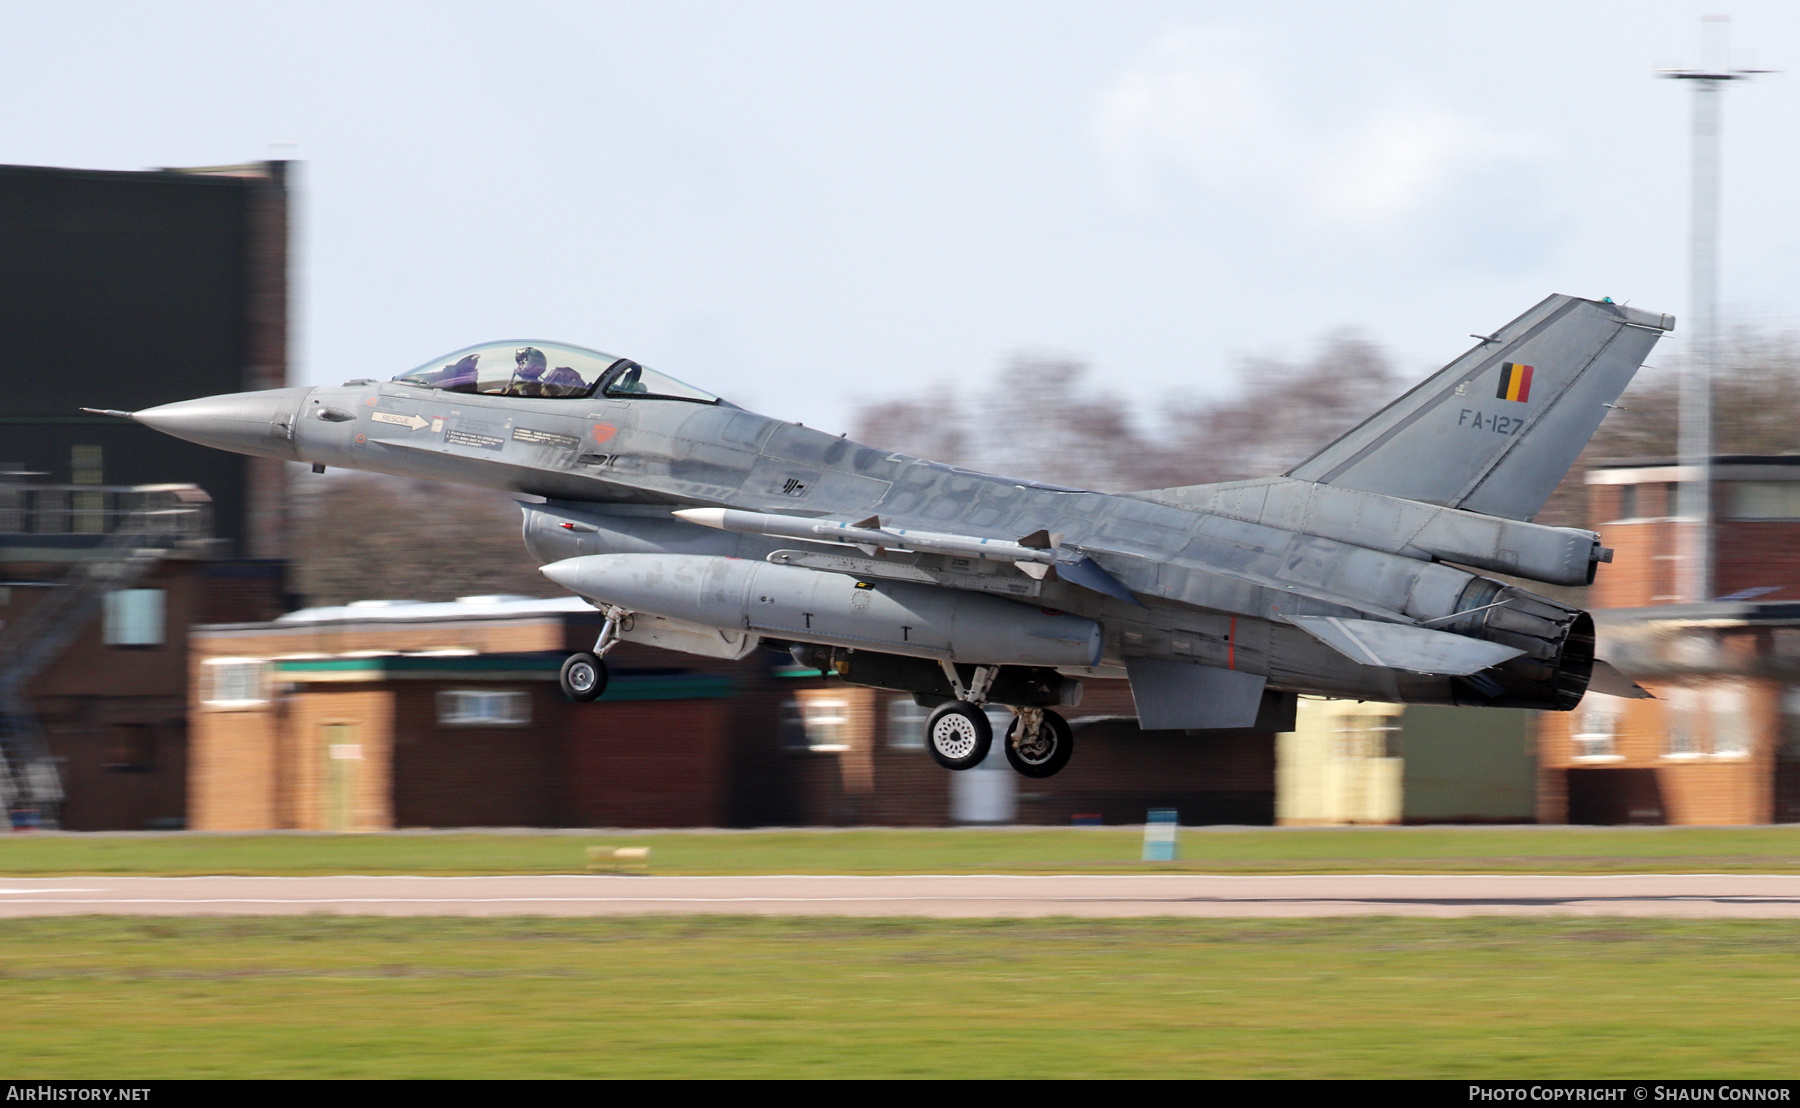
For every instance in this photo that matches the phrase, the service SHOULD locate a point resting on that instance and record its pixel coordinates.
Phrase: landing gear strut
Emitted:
(958, 733)
(583, 677)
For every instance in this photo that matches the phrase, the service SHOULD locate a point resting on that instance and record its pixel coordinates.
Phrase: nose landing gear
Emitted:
(584, 677)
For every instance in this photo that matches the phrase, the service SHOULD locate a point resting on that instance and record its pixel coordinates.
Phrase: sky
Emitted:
(806, 206)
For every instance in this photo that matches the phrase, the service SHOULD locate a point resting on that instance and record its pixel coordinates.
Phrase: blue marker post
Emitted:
(1160, 829)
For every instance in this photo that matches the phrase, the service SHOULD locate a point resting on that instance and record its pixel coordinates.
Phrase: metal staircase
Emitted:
(109, 536)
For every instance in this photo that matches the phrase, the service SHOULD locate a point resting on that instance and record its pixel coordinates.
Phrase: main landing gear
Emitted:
(1039, 742)
(958, 735)
(583, 677)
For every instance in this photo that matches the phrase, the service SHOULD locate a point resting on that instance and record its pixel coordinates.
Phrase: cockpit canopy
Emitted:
(547, 370)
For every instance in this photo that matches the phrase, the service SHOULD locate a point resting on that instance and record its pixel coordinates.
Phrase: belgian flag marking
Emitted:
(1515, 382)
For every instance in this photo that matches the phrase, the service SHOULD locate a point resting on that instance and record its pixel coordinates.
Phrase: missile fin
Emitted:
(1086, 572)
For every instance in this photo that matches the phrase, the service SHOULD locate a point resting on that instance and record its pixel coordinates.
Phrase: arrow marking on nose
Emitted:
(412, 421)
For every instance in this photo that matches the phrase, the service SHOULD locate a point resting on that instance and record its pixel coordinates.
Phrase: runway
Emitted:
(1741, 896)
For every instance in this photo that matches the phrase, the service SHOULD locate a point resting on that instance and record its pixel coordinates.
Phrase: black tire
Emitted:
(1045, 755)
(583, 677)
(958, 735)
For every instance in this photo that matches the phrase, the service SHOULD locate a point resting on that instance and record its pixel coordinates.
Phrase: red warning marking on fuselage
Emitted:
(604, 431)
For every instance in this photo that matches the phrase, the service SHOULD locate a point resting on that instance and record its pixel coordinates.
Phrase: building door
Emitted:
(1612, 796)
(343, 757)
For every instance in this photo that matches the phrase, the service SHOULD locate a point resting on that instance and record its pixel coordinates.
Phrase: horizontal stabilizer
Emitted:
(1182, 696)
(1397, 646)
(1608, 681)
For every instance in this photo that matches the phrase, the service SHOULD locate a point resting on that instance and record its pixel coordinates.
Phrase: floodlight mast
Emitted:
(1694, 443)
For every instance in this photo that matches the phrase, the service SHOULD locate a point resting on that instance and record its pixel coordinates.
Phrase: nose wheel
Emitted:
(1039, 743)
(583, 677)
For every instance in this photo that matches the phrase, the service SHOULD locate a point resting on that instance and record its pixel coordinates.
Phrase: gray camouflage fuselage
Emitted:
(1220, 573)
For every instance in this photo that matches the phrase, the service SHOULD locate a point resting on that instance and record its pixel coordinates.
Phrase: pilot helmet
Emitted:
(530, 360)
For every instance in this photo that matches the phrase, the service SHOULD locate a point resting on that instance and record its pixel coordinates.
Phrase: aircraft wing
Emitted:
(1399, 646)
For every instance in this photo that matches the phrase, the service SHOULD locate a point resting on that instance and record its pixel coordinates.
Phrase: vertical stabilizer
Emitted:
(1496, 430)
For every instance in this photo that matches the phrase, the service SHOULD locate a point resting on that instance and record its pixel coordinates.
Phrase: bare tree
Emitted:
(1041, 419)
(1284, 411)
(366, 537)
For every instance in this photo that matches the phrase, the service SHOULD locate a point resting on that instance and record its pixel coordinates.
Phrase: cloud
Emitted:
(1196, 118)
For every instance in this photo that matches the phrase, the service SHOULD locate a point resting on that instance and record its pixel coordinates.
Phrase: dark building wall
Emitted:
(116, 716)
(128, 290)
(648, 763)
(476, 776)
(1120, 772)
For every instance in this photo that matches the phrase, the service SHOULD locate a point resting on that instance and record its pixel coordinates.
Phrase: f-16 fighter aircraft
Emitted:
(698, 526)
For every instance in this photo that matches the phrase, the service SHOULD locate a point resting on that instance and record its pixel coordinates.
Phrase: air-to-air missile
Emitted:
(698, 526)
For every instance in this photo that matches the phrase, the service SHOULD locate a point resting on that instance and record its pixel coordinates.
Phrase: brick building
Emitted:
(1719, 743)
(388, 714)
(94, 615)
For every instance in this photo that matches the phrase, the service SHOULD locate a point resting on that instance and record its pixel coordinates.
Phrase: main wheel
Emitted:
(958, 735)
(1045, 753)
(583, 677)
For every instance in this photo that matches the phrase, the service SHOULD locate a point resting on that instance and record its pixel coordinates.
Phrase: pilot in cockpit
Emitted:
(529, 378)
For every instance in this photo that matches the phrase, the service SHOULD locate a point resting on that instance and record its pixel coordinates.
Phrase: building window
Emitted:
(827, 722)
(483, 708)
(1681, 720)
(1764, 500)
(1732, 728)
(134, 617)
(906, 724)
(1596, 728)
(1628, 501)
(234, 682)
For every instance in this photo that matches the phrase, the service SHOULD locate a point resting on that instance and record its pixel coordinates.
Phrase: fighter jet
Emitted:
(698, 526)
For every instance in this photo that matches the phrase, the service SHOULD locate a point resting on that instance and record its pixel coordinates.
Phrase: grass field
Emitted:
(1021, 850)
(92, 998)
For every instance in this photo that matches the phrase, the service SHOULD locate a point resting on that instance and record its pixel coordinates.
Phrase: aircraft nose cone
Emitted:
(241, 422)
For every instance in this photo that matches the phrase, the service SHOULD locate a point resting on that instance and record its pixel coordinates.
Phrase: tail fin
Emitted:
(1495, 430)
